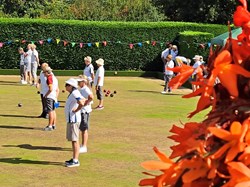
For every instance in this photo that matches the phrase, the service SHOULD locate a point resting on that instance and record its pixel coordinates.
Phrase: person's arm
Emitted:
(80, 103)
(90, 98)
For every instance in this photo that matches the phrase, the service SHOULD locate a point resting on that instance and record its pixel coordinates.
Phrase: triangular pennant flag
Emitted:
(41, 42)
(118, 42)
(161, 44)
(16, 40)
(97, 44)
(32, 42)
(140, 44)
(23, 41)
(147, 42)
(153, 43)
(49, 40)
(57, 41)
(131, 46)
(104, 43)
(1, 44)
(65, 42)
(208, 44)
(89, 44)
(9, 42)
(73, 44)
(81, 45)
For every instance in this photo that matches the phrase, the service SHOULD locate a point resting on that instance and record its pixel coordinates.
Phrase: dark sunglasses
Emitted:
(67, 85)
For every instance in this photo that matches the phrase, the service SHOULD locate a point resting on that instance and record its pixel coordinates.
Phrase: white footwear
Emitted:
(24, 82)
(163, 92)
(83, 149)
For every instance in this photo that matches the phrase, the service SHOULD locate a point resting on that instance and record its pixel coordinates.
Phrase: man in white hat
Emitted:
(73, 106)
(98, 82)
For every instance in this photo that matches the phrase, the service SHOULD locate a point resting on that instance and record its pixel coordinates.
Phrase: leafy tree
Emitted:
(115, 10)
(205, 11)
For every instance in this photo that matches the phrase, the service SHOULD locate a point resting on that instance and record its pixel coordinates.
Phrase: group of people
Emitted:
(78, 104)
(170, 58)
(29, 62)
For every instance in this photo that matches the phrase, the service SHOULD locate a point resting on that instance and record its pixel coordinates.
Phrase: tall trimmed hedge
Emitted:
(117, 54)
(196, 38)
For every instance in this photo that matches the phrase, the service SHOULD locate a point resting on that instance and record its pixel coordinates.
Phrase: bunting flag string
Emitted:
(103, 43)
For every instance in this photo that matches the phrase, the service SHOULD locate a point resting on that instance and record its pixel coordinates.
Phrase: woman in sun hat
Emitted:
(98, 82)
(73, 106)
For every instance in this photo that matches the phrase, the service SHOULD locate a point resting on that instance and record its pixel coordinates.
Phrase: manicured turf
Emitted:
(121, 136)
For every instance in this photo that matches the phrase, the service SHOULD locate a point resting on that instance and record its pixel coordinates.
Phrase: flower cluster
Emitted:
(215, 152)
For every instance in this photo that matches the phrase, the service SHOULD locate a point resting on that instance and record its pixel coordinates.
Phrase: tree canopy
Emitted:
(203, 11)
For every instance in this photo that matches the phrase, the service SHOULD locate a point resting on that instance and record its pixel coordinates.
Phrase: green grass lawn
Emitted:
(121, 136)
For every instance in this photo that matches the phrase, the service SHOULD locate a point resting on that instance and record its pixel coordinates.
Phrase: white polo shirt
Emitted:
(169, 64)
(28, 57)
(85, 91)
(88, 71)
(99, 73)
(34, 56)
(71, 103)
(52, 94)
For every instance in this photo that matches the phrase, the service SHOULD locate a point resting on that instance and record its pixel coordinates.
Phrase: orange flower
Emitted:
(190, 138)
(234, 137)
(240, 175)
(168, 167)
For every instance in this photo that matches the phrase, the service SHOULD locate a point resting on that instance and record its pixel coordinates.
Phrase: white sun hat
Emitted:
(73, 82)
(100, 61)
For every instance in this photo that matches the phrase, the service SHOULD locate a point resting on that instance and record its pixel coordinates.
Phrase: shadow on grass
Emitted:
(17, 116)
(149, 91)
(31, 147)
(19, 127)
(25, 161)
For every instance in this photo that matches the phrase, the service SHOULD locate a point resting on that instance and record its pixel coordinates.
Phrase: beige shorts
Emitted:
(72, 132)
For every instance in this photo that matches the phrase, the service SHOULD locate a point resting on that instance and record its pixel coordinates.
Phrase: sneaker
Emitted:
(73, 164)
(48, 128)
(83, 149)
(68, 161)
(99, 107)
(54, 127)
(163, 92)
(24, 82)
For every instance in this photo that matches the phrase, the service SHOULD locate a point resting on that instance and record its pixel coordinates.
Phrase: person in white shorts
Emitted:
(73, 106)
(27, 61)
(34, 63)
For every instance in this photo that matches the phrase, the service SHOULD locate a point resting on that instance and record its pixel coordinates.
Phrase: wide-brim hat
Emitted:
(196, 57)
(73, 82)
(100, 61)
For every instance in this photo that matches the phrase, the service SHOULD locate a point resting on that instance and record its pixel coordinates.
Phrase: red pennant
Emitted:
(131, 46)
(153, 43)
(65, 42)
(104, 43)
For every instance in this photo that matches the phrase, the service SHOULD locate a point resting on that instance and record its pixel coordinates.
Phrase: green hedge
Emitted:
(117, 54)
(199, 48)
